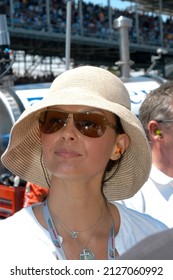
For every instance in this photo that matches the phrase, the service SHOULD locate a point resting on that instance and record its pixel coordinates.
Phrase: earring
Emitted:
(118, 150)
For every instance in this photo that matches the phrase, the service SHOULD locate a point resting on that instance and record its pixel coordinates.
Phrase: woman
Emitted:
(84, 144)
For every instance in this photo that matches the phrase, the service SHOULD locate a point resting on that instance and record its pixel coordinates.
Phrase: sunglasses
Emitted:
(88, 123)
(164, 121)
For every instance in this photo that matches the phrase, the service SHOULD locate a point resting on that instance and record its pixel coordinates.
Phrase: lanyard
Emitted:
(56, 238)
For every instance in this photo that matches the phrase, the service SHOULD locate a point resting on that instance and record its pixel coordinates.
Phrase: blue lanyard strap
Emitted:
(57, 242)
(52, 231)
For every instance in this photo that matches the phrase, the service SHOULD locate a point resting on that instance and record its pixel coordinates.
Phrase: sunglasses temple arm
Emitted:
(112, 126)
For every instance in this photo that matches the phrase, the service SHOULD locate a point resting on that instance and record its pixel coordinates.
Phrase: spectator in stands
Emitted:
(156, 196)
(84, 144)
(33, 15)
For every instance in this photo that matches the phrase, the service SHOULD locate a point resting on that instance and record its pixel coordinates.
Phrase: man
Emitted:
(156, 196)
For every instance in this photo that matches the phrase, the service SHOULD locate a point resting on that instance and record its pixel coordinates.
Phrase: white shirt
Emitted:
(22, 238)
(155, 198)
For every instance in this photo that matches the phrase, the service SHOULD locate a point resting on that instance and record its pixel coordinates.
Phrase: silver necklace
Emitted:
(73, 233)
(86, 254)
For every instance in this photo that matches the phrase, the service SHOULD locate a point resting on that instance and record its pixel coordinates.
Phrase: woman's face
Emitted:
(68, 154)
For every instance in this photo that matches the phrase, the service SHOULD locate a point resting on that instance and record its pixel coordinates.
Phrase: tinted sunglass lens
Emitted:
(91, 125)
(51, 121)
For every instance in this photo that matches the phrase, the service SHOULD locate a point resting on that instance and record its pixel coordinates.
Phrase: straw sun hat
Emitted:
(90, 86)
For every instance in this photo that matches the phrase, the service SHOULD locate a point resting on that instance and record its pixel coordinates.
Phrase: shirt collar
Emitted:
(159, 177)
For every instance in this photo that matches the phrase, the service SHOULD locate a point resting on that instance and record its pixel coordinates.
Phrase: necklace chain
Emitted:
(85, 254)
(73, 233)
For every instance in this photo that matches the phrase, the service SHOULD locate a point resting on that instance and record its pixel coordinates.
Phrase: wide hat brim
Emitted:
(23, 154)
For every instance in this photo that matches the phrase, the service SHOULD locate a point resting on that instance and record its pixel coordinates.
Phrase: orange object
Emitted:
(11, 200)
(34, 194)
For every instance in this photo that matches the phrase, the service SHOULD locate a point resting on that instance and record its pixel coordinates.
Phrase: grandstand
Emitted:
(38, 29)
(157, 6)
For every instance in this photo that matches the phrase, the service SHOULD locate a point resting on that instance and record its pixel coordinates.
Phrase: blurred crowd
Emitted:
(35, 15)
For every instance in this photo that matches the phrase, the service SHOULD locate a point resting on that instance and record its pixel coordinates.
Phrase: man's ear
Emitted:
(121, 144)
(154, 130)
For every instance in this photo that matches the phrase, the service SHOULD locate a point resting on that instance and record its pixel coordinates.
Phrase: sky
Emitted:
(114, 3)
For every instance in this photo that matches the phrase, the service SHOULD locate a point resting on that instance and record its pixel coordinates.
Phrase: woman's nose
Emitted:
(69, 129)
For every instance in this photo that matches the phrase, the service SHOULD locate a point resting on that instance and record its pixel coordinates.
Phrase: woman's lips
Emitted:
(65, 153)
